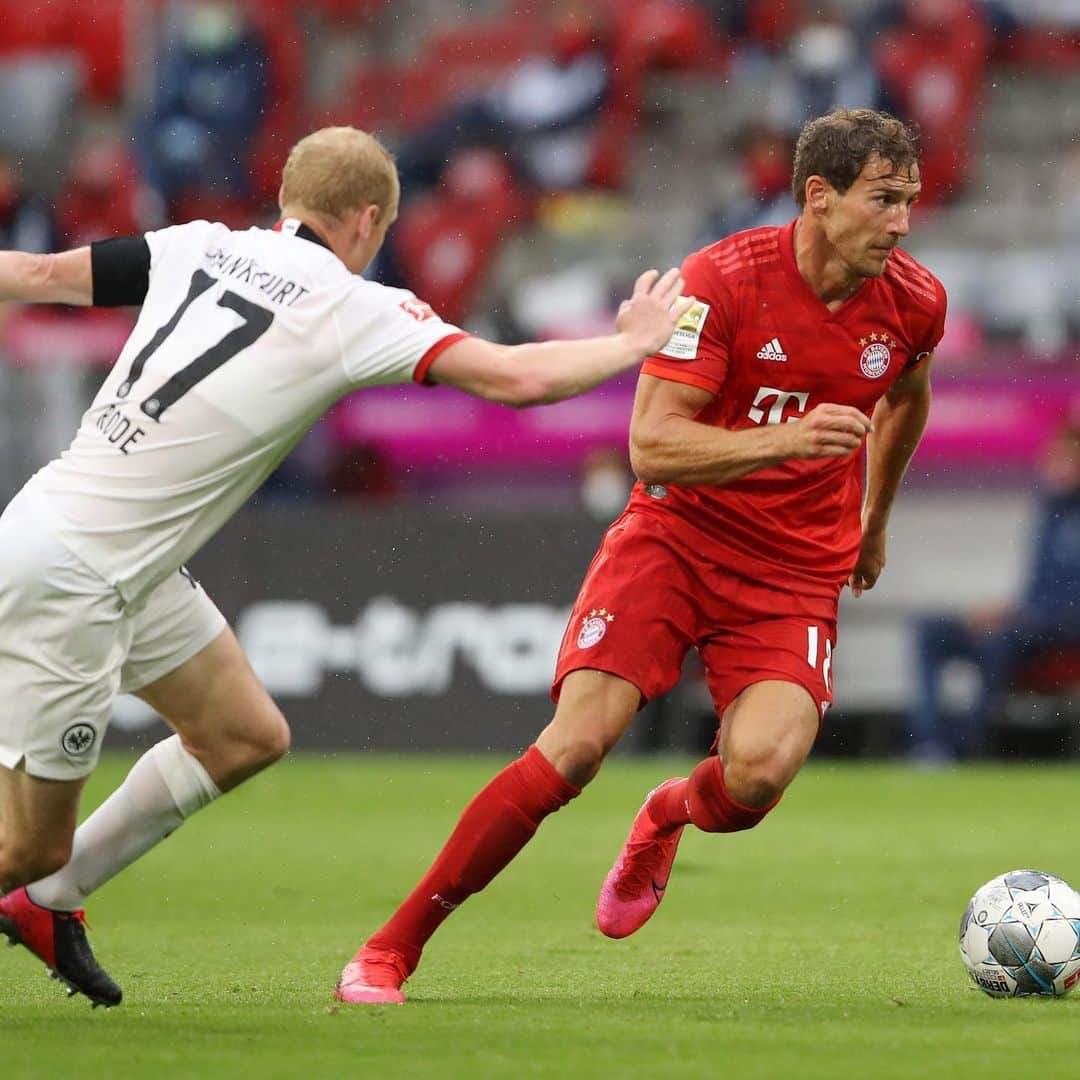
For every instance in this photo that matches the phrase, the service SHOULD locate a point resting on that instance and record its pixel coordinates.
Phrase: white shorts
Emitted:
(68, 645)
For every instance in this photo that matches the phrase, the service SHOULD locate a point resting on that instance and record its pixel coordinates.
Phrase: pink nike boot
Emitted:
(373, 977)
(636, 884)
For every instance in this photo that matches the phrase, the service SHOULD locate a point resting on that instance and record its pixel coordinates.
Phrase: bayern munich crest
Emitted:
(593, 627)
(876, 354)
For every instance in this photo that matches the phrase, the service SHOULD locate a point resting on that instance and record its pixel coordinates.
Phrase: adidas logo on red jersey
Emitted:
(772, 350)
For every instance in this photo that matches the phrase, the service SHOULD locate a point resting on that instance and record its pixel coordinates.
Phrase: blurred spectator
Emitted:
(765, 159)
(26, 222)
(101, 196)
(1041, 12)
(57, 31)
(443, 243)
(208, 103)
(1068, 193)
(541, 115)
(934, 65)
(771, 22)
(1000, 643)
(354, 14)
(827, 65)
(562, 120)
(606, 481)
(647, 36)
(41, 92)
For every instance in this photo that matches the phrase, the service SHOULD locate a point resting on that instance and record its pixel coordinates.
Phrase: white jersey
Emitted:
(244, 339)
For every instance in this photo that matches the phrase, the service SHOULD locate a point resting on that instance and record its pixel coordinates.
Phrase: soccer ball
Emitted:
(1020, 935)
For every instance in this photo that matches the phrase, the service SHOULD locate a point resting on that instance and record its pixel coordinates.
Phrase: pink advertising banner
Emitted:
(998, 411)
(977, 418)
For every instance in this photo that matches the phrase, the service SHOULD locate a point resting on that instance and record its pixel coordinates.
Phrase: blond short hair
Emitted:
(336, 170)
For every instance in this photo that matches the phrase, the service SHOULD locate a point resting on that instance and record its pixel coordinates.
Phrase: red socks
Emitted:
(502, 819)
(703, 800)
(494, 827)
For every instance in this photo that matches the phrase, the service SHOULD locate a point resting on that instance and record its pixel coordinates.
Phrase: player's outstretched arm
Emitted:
(543, 372)
(899, 420)
(669, 446)
(65, 278)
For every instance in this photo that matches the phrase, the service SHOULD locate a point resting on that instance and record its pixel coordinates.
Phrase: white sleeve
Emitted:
(389, 336)
(182, 244)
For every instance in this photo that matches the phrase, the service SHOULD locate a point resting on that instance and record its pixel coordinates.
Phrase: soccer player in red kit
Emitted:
(749, 517)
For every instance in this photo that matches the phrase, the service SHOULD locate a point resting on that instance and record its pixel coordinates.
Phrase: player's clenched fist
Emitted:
(650, 316)
(828, 431)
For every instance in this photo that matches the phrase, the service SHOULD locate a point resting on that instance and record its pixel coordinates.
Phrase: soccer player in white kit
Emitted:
(243, 340)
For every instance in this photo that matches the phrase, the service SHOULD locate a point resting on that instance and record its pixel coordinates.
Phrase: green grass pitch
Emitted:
(822, 944)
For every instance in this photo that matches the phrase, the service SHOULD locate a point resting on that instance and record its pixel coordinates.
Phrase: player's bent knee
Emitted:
(274, 741)
(232, 756)
(576, 758)
(757, 783)
(582, 758)
(259, 746)
(714, 807)
(262, 738)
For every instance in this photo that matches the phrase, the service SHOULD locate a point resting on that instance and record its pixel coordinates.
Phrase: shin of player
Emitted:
(228, 729)
(749, 518)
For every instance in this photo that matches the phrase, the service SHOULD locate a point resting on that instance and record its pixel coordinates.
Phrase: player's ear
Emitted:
(281, 197)
(367, 219)
(817, 194)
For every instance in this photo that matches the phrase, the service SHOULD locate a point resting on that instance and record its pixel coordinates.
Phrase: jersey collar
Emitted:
(791, 264)
(295, 227)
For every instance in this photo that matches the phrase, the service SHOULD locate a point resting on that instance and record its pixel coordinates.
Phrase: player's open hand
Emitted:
(828, 431)
(870, 563)
(650, 316)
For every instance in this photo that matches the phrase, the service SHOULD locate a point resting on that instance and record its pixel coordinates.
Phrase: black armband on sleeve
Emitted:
(120, 270)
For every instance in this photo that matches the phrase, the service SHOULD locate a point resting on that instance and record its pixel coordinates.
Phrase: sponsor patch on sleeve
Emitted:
(683, 344)
(417, 309)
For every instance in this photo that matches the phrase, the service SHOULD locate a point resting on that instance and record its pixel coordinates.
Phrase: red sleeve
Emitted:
(934, 332)
(698, 351)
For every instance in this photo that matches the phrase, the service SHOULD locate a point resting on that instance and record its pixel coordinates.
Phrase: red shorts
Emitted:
(647, 599)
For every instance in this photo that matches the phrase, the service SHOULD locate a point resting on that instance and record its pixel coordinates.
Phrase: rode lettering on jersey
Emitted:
(244, 339)
(769, 351)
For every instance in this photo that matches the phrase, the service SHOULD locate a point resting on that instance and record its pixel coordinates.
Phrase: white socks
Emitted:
(165, 786)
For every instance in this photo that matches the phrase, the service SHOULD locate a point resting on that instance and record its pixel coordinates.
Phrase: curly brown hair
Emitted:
(837, 145)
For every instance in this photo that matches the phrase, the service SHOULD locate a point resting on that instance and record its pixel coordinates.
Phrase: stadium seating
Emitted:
(100, 197)
(99, 32)
(96, 32)
(35, 27)
(667, 154)
(445, 241)
(935, 69)
(1042, 703)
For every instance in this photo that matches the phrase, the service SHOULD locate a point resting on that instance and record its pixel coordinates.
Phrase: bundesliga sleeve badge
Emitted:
(683, 344)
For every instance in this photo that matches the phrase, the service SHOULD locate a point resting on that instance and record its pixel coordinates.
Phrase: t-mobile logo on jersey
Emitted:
(780, 401)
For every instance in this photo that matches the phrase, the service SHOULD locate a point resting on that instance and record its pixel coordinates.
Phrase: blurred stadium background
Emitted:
(403, 580)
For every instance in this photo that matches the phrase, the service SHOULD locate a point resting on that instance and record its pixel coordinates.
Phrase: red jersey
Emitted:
(768, 349)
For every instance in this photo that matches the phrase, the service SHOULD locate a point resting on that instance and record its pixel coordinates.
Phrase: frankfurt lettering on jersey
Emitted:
(277, 287)
(242, 339)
